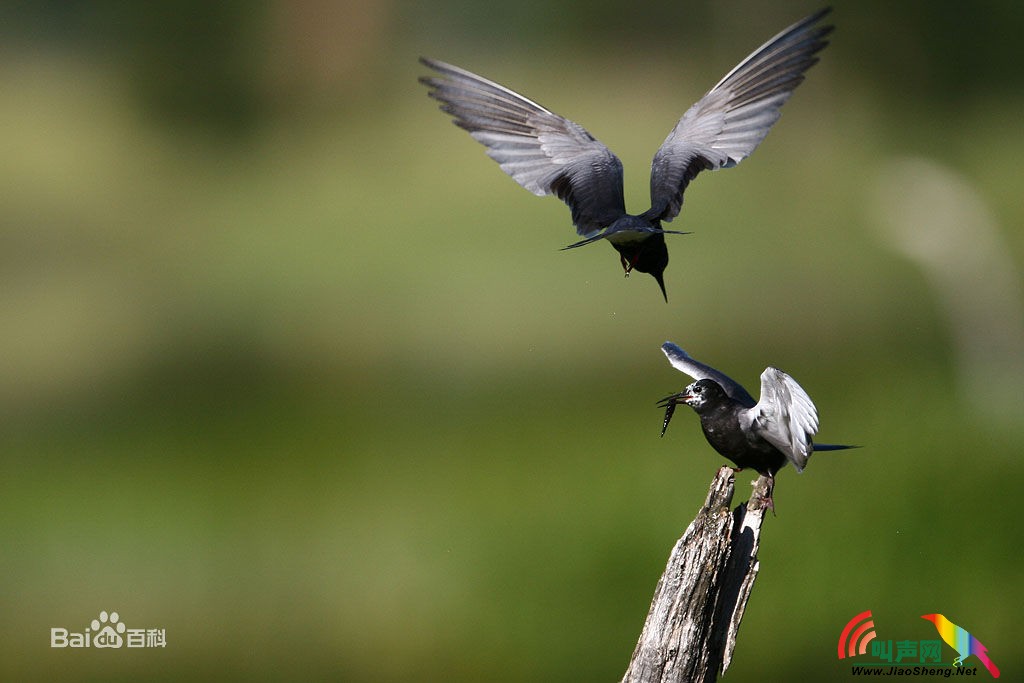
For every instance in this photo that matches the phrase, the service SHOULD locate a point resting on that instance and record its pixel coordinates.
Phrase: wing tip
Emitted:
(672, 349)
(435, 64)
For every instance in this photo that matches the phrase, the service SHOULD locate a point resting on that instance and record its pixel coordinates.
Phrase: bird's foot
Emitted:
(627, 266)
(766, 499)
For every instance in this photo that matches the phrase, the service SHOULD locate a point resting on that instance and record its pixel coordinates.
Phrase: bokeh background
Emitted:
(291, 370)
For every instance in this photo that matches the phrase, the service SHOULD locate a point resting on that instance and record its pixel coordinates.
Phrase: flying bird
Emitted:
(763, 435)
(963, 642)
(549, 154)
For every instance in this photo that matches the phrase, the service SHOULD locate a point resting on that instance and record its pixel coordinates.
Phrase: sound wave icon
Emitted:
(855, 637)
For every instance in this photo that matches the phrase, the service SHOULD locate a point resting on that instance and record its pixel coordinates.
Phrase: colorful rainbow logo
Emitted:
(856, 635)
(963, 642)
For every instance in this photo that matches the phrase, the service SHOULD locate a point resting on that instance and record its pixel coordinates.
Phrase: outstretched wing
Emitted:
(732, 119)
(682, 362)
(542, 151)
(785, 416)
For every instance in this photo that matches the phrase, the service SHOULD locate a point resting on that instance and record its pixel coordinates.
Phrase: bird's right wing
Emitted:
(730, 121)
(682, 362)
(785, 416)
(542, 151)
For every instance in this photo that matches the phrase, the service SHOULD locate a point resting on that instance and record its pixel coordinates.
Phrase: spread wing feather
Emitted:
(542, 151)
(730, 121)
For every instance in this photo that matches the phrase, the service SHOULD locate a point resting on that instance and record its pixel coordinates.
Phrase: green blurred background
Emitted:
(291, 370)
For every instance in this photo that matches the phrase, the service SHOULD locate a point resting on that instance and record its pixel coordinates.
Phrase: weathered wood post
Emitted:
(690, 632)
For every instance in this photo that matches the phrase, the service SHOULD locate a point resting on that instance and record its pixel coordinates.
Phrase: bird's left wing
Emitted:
(730, 121)
(684, 363)
(542, 151)
(785, 416)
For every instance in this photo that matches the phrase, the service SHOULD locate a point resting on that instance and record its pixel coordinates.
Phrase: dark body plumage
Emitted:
(761, 435)
(549, 154)
(722, 427)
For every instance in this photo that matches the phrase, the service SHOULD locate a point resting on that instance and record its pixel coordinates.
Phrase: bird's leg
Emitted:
(626, 265)
(632, 263)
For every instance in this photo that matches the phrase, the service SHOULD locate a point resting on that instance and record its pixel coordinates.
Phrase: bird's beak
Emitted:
(683, 396)
(671, 400)
(661, 283)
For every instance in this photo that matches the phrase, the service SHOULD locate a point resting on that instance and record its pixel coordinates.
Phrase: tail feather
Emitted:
(831, 447)
(982, 655)
(589, 240)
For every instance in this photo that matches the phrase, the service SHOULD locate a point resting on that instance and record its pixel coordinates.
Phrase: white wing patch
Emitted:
(785, 416)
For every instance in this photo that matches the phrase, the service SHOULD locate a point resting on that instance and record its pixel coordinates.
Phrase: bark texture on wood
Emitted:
(690, 632)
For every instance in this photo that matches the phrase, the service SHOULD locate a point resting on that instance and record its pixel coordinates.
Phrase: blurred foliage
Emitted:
(291, 370)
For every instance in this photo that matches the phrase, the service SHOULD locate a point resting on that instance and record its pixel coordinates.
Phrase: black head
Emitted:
(647, 255)
(704, 395)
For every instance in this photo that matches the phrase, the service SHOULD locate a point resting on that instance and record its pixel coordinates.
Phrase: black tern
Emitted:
(762, 435)
(549, 154)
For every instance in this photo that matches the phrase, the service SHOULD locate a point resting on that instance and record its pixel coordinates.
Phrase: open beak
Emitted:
(683, 396)
(671, 400)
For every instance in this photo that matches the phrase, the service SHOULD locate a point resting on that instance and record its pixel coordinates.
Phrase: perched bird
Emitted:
(963, 642)
(762, 435)
(549, 154)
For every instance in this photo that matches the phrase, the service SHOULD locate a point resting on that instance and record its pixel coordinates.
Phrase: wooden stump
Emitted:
(691, 628)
